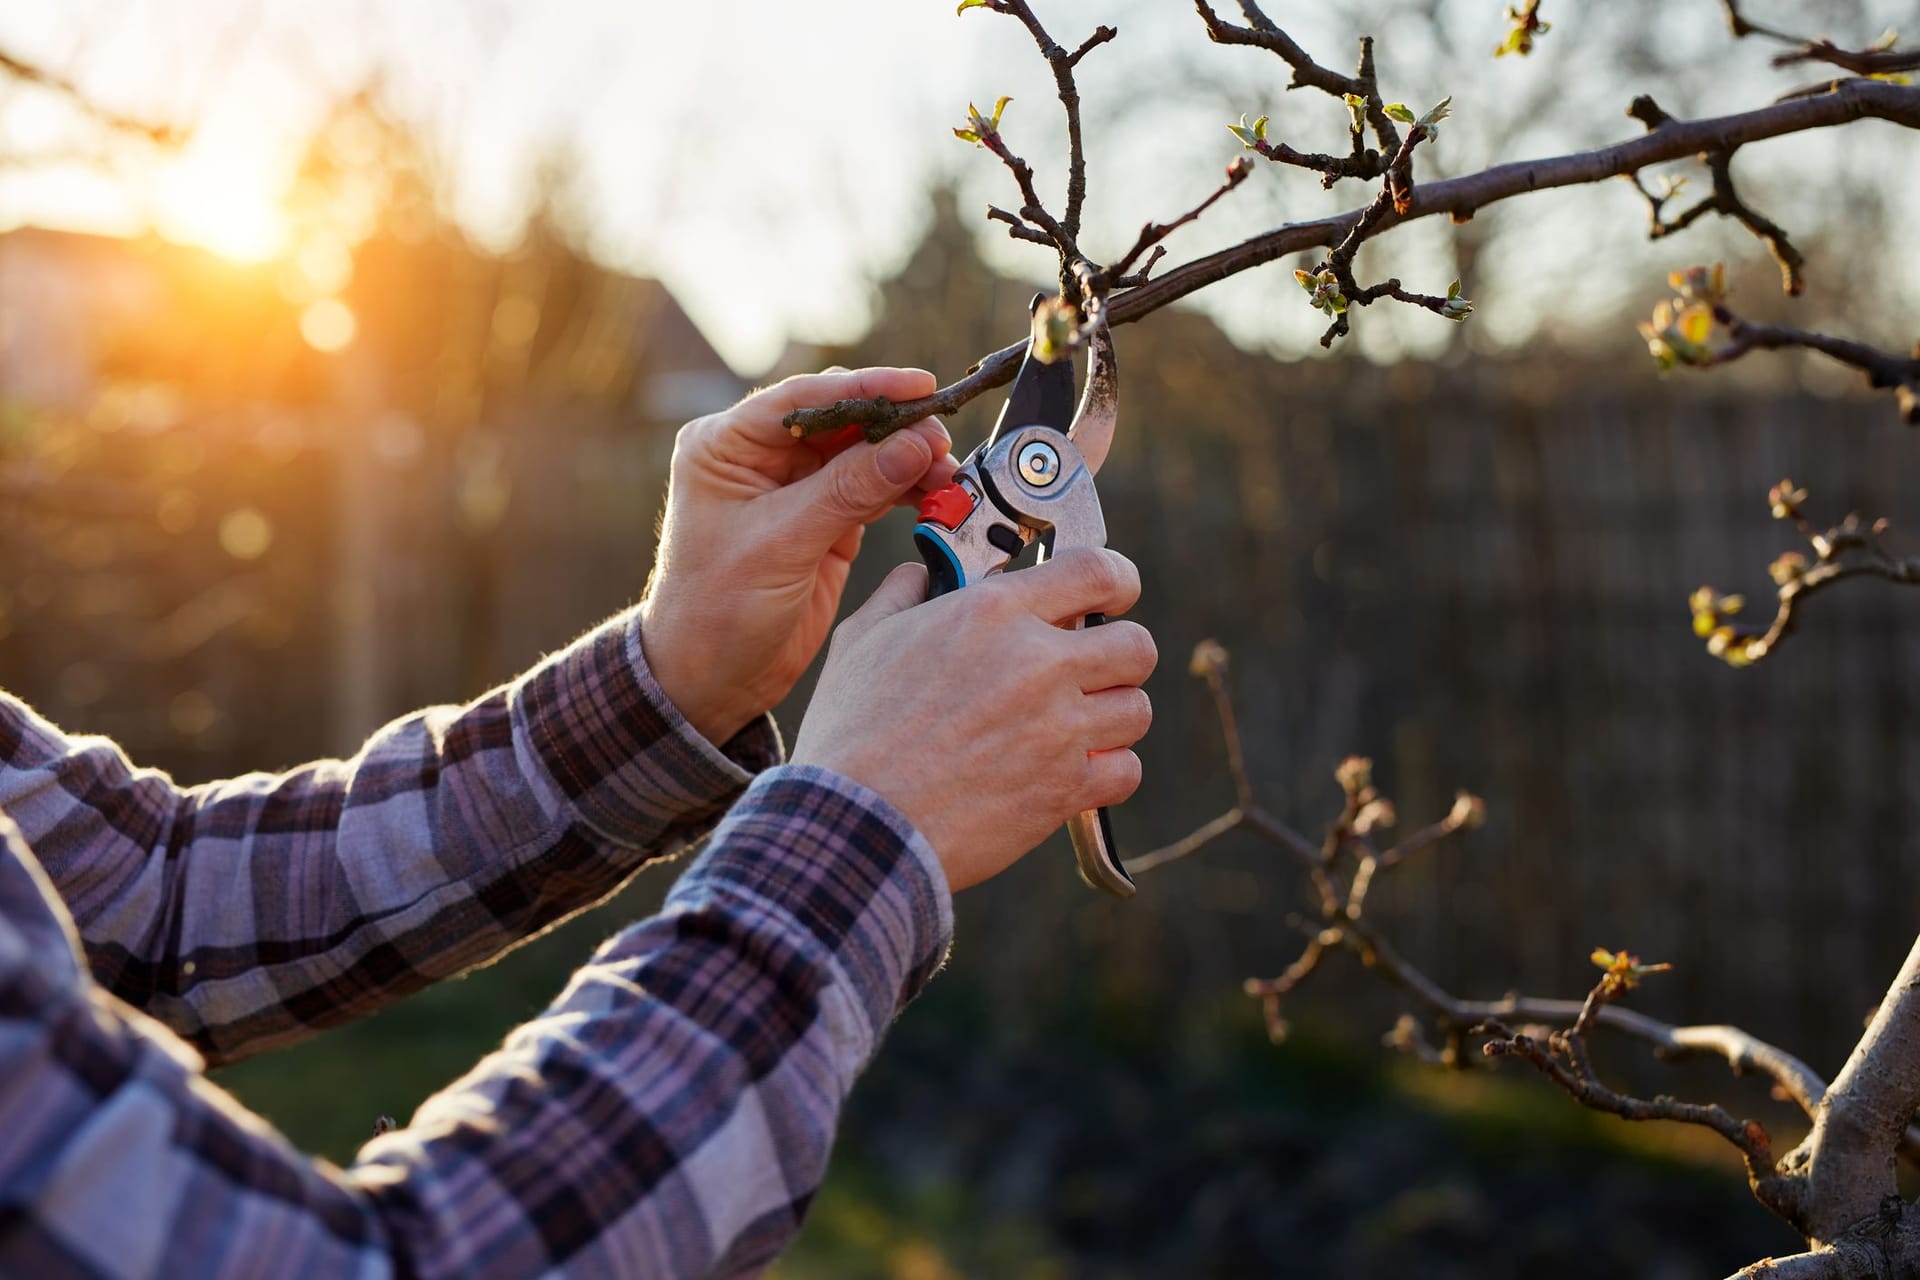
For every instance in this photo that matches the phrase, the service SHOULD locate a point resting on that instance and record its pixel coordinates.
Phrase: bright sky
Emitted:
(768, 159)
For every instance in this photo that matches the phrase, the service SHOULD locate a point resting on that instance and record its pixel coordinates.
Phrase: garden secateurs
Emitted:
(1031, 481)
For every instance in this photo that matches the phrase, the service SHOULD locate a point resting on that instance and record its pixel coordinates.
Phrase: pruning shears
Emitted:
(1031, 481)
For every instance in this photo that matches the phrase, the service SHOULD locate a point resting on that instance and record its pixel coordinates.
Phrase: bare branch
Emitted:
(1308, 74)
(1206, 834)
(1460, 197)
(1878, 61)
(1849, 549)
(22, 70)
(1100, 36)
(1065, 232)
(1850, 1153)
(1016, 226)
(1726, 201)
(1562, 1055)
(1154, 232)
(1563, 1059)
(1882, 369)
(1820, 1264)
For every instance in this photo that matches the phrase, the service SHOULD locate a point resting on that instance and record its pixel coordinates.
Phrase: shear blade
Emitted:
(1042, 395)
(1092, 427)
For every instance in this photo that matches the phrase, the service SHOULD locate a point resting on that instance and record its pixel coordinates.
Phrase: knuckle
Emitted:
(1125, 776)
(1141, 713)
(690, 439)
(842, 495)
(1100, 571)
(1138, 652)
(995, 599)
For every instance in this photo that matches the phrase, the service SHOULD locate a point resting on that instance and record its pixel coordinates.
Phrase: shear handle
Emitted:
(1095, 851)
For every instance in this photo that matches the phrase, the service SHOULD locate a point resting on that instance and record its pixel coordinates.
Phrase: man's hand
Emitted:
(760, 532)
(978, 715)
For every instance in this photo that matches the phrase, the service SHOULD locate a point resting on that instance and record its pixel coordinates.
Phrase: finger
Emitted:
(899, 591)
(1111, 778)
(1117, 718)
(1116, 656)
(855, 488)
(760, 414)
(1075, 583)
(938, 476)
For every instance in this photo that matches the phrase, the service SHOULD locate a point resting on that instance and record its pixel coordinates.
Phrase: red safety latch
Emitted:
(947, 507)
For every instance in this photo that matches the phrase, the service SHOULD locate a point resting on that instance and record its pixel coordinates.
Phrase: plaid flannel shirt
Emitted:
(669, 1115)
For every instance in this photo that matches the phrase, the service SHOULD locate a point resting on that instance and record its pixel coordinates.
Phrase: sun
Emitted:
(220, 199)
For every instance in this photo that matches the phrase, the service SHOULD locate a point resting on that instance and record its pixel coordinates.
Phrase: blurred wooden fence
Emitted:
(1483, 586)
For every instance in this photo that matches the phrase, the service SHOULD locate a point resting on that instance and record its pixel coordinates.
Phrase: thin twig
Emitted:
(1861, 62)
(1883, 369)
(21, 69)
(1154, 232)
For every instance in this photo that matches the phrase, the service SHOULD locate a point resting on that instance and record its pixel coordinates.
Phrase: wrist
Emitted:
(683, 667)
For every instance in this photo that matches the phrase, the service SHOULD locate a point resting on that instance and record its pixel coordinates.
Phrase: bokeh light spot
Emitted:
(192, 713)
(176, 511)
(246, 533)
(82, 684)
(326, 263)
(328, 325)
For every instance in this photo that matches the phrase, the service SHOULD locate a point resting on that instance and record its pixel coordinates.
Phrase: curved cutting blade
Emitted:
(1099, 411)
(1042, 393)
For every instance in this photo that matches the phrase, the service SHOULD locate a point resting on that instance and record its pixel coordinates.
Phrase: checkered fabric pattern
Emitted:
(669, 1115)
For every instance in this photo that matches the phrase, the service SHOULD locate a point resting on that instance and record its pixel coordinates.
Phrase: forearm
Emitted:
(669, 1116)
(249, 913)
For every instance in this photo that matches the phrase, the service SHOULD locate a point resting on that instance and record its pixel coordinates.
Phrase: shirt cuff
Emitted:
(622, 753)
(847, 867)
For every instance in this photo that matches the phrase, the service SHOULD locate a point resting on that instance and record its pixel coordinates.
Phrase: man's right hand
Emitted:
(979, 715)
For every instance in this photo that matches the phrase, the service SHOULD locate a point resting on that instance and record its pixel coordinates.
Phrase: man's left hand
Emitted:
(760, 532)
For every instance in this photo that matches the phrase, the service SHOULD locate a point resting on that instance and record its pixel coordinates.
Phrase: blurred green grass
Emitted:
(1104, 1140)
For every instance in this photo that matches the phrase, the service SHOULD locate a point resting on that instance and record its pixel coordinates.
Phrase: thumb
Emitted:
(858, 487)
(899, 591)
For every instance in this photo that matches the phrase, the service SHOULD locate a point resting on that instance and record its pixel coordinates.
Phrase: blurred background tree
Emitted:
(259, 496)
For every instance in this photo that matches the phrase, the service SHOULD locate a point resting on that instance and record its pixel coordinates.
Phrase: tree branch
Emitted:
(1883, 369)
(1460, 197)
(1065, 232)
(1846, 550)
(1882, 1094)
(29, 73)
(1877, 61)
(1154, 232)
(1849, 1156)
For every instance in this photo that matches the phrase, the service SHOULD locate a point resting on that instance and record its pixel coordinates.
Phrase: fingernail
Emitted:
(902, 458)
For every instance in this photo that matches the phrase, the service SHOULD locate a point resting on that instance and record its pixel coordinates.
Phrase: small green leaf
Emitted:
(967, 135)
(1398, 111)
(1453, 290)
(1441, 111)
(1357, 108)
(1244, 134)
(998, 108)
(1260, 128)
(970, 4)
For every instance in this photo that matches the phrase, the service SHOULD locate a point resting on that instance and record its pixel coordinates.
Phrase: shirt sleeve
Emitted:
(668, 1116)
(250, 913)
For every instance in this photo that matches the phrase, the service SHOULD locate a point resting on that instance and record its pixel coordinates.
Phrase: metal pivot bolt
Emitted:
(1039, 464)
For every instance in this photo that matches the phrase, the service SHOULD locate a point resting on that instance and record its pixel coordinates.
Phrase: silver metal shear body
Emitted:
(1032, 481)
